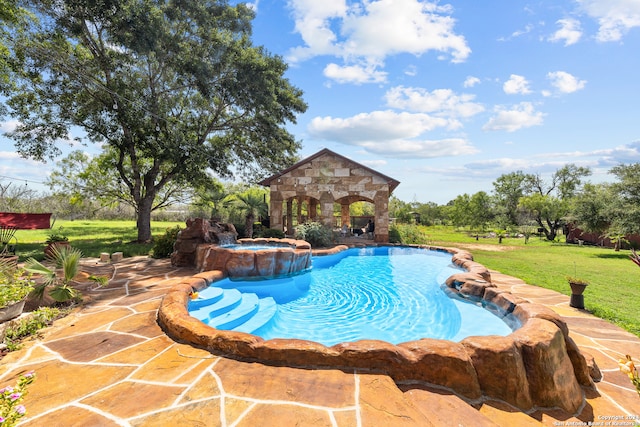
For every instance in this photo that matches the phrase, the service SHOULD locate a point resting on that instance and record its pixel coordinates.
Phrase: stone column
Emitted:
(299, 210)
(289, 220)
(381, 217)
(326, 209)
(275, 214)
(344, 214)
(313, 208)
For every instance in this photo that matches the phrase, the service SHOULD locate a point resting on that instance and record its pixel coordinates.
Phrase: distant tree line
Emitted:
(519, 202)
(522, 203)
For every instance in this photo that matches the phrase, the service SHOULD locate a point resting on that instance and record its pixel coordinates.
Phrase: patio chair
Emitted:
(8, 240)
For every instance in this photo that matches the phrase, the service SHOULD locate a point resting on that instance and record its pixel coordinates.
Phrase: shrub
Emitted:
(30, 325)
(272, 233)
(408, 234)
(394, 235)
(240, 229)
(315, 233)
(163, 245)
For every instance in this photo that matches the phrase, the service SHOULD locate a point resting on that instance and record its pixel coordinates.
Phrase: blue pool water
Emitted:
(386, 293)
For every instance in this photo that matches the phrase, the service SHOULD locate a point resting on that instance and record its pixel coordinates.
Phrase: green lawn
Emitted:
(91, 237)
(614, 286)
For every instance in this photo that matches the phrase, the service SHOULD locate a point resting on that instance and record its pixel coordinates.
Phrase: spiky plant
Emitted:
(65, 258)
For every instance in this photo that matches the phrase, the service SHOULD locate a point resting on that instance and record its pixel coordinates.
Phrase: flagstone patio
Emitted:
(110, 364)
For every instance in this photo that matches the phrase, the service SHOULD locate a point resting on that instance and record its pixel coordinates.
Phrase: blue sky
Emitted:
(447, 96)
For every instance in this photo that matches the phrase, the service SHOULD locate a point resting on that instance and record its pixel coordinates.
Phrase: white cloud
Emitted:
(516, 85)
(615, 17)
(411, 70)
(9, 125)
(9, 155)
(442, 102)
(389, 133)
(625, 154)
(374, 163)
(377, 125)
(565, 82)
(471, 81)
(421, 149)
(313, 21)
(369, 31)
(356, 74)
(527, 29)
(570, 31)
(519, 116)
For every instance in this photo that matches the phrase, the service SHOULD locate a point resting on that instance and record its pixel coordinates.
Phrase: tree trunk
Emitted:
(248, 225)
(144, 220)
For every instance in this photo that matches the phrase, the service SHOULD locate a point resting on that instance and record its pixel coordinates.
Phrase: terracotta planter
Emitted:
(577, 299)
(577, 288)
(48, 250)
(11, 311)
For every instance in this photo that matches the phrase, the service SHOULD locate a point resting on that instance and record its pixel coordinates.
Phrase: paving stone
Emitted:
(86, 323)
(199, 414)
(443, 409)
(146, 306)
(272, 415)
(346, 418)
(167, 366)
(331, 388)
(503, 415)
(194, 374)
(202, 388)
(381, 402)
(71, 416)
(92, 346)
(235, 408)
(140, 353)
(139, 324)
(130, 398)
(58, 383)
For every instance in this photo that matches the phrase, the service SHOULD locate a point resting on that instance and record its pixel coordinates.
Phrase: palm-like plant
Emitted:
(253, 205)
(214, 196)
(68, 260)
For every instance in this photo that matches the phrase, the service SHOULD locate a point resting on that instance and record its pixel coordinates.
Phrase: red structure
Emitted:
(25, 221)
(576, 235)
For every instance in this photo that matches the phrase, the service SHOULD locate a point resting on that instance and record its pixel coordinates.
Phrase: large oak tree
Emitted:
(173, 90)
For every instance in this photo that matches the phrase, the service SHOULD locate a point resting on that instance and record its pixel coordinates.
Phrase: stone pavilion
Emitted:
(323, 179)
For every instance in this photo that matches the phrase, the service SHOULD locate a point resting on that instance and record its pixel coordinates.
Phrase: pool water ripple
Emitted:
(391, 294)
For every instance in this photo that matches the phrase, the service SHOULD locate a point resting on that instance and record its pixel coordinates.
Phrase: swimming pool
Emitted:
(394, 294)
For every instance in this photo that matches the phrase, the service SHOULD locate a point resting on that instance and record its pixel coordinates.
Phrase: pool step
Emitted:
(230, 299)
(206, 297)
(230, 309)
(266, 310)
(230, 319)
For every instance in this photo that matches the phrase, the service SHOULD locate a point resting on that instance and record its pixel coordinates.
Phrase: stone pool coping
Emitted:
(537, 366)
(284, 257)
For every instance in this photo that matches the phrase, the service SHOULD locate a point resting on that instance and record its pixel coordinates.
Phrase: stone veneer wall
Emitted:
(327, 179)
(284, 257)
(538, 365)
(198, 231)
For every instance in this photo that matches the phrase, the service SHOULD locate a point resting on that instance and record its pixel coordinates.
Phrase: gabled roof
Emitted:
(392, 182)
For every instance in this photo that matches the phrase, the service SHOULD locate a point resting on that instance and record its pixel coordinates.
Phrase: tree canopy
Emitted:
(173, 90)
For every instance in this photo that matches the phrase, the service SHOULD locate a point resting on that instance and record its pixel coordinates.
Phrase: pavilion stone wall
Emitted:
(328, 179)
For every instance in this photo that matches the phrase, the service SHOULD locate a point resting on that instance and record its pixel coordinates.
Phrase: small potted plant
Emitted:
(55, 240)
(15, 285)
(577, 288)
